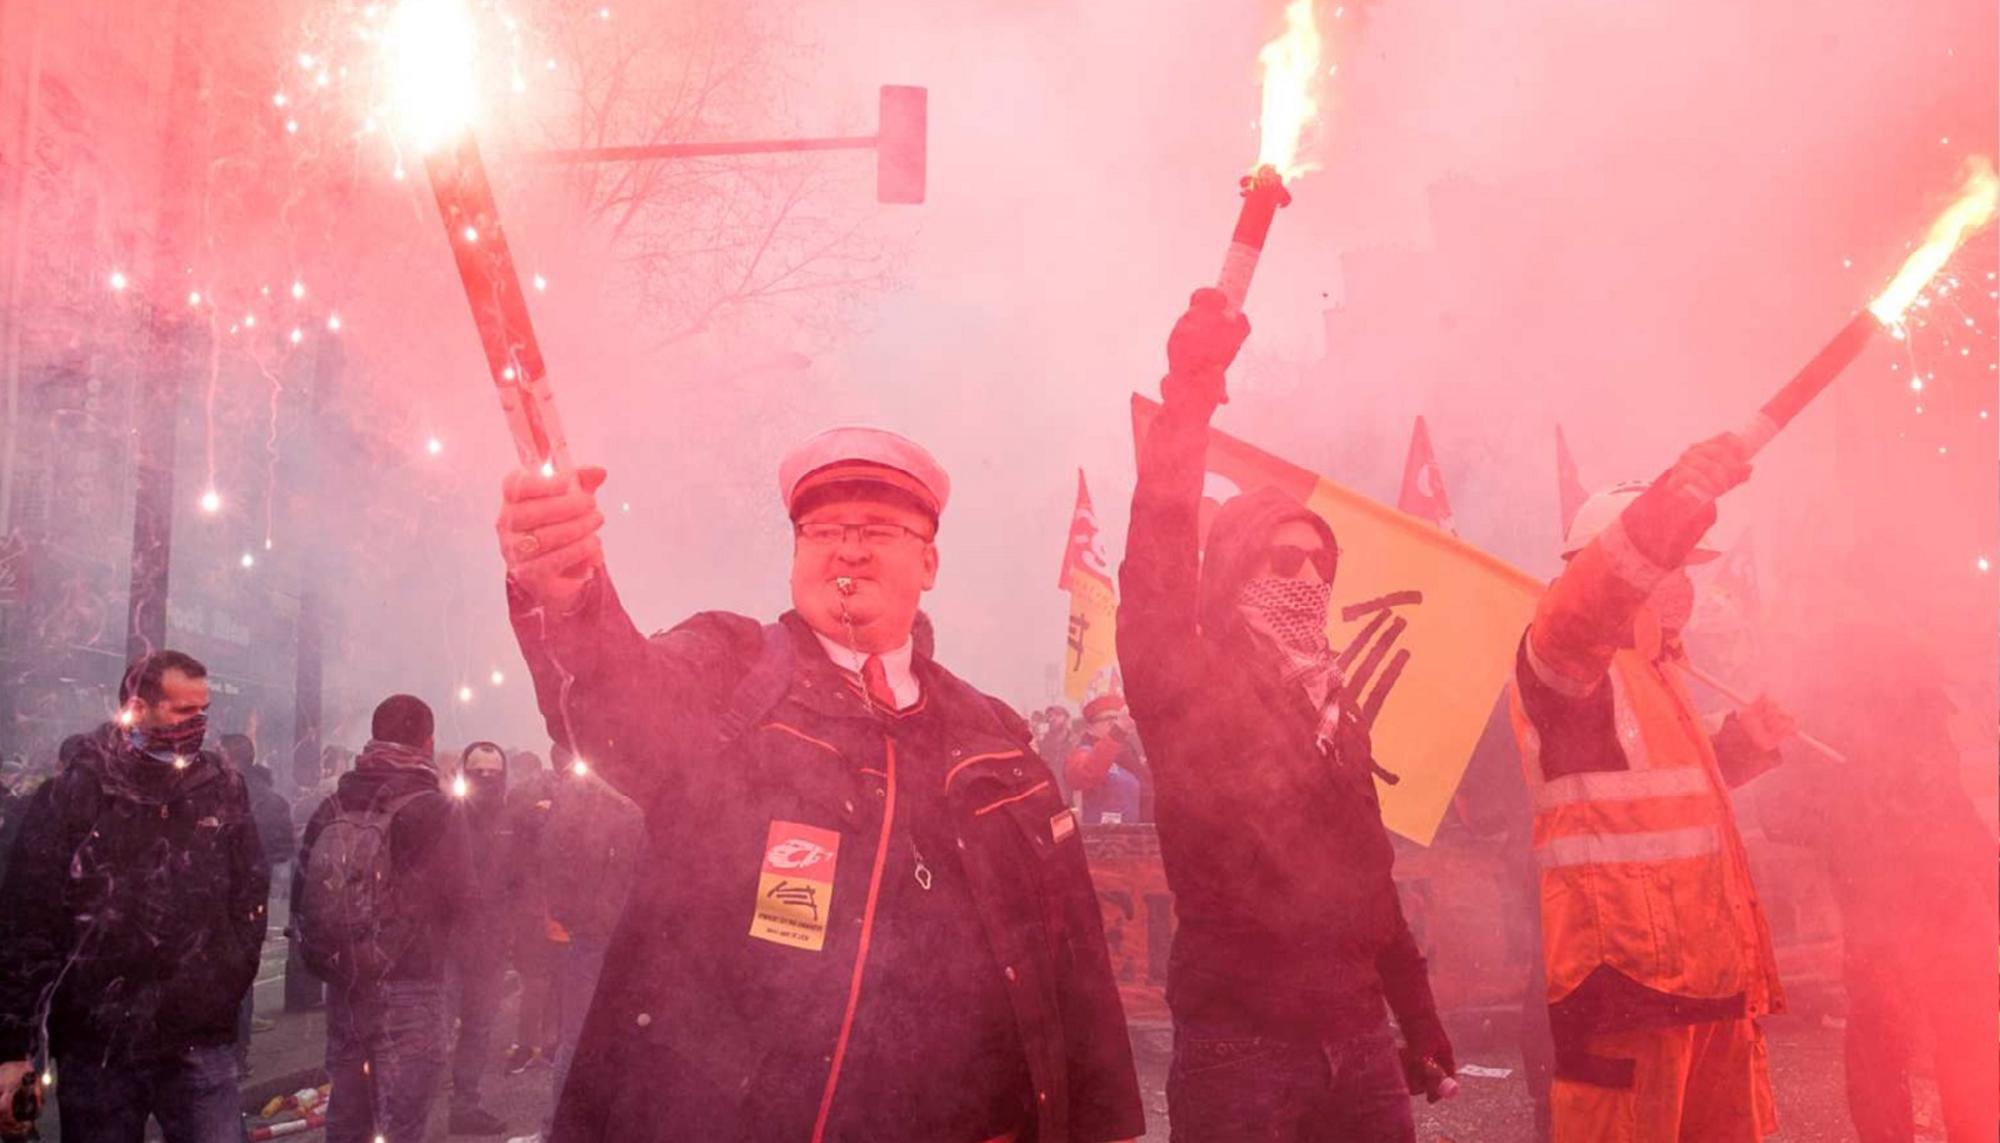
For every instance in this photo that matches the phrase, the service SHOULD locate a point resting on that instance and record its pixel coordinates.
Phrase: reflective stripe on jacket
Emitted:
(1642, 869)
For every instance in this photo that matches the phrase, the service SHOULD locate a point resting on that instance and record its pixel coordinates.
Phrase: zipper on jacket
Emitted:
(861, 948)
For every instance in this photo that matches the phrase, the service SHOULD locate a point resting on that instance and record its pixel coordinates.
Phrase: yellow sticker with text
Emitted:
(795, 885)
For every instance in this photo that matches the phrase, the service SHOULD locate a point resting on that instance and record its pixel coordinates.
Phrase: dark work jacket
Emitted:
(428, 849)
(1289, 922)
(137, 892)
(700, 1031)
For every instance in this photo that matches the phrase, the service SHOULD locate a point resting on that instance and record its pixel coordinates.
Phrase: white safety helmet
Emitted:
(1607, 504)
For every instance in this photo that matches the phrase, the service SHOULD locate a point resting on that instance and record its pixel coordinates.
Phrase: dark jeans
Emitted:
(578, 966)
(244, 1012)
(1236, 1089)
(193, 1095)
(385, 1049)
(535, 964)
(478, 1006)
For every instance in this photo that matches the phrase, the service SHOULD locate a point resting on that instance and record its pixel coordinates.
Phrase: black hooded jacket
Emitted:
(427, 849)
(273, 815)
(1289, 923)
(137, 894)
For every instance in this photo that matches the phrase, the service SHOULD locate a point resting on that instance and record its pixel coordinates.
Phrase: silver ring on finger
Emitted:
(527, 545)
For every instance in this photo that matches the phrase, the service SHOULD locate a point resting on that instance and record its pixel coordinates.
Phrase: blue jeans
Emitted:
(193, 1095)
(385, 1052)
(1237, 1089)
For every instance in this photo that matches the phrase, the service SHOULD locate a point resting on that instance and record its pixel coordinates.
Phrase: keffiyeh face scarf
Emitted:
(1292, 613)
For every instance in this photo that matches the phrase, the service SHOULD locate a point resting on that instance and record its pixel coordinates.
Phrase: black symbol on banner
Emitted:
(1378, 671)
(795, 895)
(1078, 625)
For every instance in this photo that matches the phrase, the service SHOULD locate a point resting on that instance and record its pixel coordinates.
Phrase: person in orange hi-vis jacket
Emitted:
(1658, 956)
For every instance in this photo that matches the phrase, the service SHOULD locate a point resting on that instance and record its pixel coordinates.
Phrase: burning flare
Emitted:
(430, 47)
(1973, 209)
(1291, 72)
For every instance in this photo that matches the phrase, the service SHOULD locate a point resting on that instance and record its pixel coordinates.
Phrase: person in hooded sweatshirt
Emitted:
(384, 955)
(130, 922)
(1291, 936)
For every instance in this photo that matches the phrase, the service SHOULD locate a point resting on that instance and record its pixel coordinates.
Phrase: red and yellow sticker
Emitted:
(795, 885)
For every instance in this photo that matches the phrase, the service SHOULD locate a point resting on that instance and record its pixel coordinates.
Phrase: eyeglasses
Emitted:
(872, 535)
(1287, 559)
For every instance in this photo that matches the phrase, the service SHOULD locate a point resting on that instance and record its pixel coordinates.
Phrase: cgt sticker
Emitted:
(795, 885)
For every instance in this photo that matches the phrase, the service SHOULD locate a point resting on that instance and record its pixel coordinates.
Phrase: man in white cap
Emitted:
(864, 912)
(1657, 954)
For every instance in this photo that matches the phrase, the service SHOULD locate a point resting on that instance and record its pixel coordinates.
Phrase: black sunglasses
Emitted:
(1287, 559)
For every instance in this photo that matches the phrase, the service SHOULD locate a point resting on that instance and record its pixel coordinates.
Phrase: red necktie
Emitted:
(876, 678)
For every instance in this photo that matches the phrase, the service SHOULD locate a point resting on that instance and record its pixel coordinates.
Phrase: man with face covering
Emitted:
(1291, 936)
(480, 944)
(131, 922)
(1658, 959)
(865, 913)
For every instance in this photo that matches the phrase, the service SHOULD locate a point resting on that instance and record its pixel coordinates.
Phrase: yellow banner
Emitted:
(1425, 625)
(1090, 657)
(1090, 653)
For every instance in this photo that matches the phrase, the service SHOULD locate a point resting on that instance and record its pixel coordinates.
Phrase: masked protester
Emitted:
(536, 941)
(590, 856)
(1658, 959)
(384, 883)
(1291, 936)
(1910, 864)
(130, 922)
(480, 944)
(865, 913)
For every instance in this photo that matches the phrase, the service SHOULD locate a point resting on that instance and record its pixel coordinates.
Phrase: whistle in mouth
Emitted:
(843, 585)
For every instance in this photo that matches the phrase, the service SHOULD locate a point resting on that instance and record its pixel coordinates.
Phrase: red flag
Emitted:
(1084, 549)
(1423, 493)
(1569, 486)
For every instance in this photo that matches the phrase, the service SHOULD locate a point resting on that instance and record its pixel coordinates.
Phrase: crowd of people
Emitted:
(419, 883)
(863, 910)
(1097, 760)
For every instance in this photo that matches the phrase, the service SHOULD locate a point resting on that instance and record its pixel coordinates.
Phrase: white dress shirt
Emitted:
(895, 664)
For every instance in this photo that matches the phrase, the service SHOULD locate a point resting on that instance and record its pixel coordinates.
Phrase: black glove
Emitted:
(1427, 1058)
(1200, 348)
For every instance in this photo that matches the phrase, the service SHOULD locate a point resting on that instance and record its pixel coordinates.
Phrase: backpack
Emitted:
(354, 920)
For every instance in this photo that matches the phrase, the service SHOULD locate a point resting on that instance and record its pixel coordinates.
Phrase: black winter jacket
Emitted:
(590, 856)
(273, 815)
(700, 1031)
(428, 849)
(138, 894)
(1289, 922)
